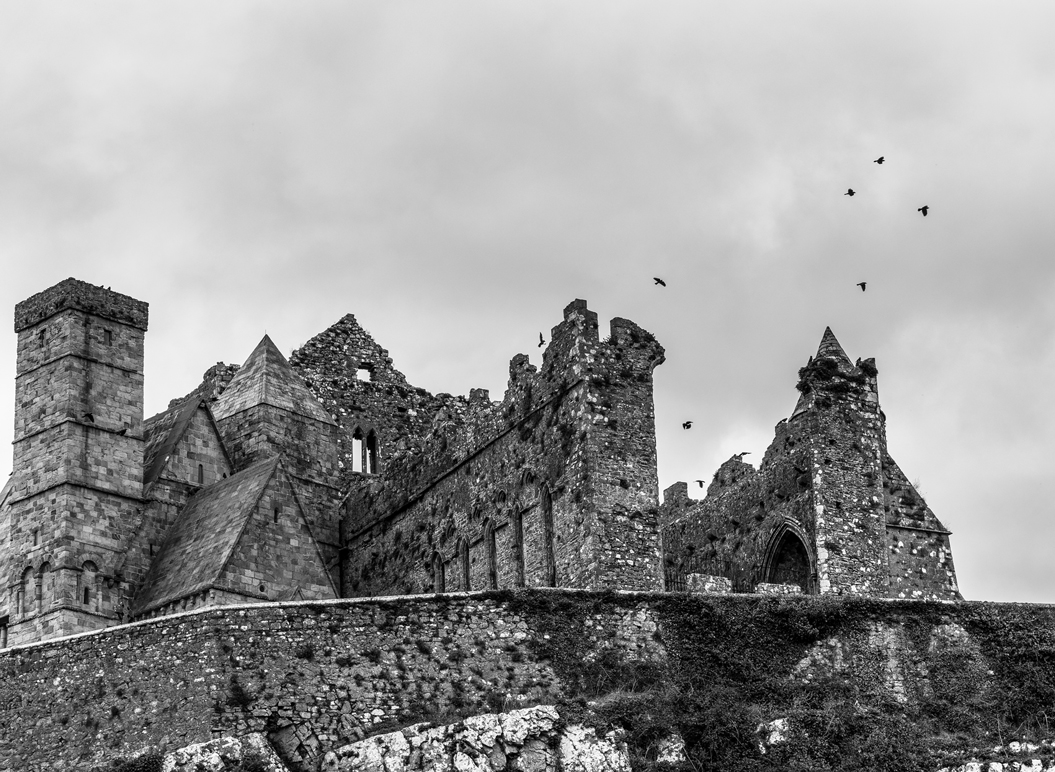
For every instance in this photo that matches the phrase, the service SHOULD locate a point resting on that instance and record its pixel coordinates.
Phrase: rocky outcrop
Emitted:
(526, 740)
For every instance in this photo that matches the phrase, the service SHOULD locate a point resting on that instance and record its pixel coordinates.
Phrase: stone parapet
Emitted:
(79, 295)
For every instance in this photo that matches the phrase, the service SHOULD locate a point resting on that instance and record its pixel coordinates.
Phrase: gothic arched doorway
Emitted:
(789, 562)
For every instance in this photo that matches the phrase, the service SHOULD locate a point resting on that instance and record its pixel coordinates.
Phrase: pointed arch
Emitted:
(490, 554)
(549, 558)
(519, 568)
(463, 564)
(788, 560)
(439, 583)
(357, 450)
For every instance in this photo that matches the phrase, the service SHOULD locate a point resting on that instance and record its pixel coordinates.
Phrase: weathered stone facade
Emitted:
(828, 510)
(324, 475)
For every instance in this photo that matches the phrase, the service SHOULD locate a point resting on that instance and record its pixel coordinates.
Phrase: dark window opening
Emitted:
(36, 536)
(438, 579)
(277, 510)
(87, 596)
(201, 474)
(518, 549)
(491, 554)
(42, 337)
(108, 337)
(549, 562)
(3, 632)
(371, 452)
(463, 555)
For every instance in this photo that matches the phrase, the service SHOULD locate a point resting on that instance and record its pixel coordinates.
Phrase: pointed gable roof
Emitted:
(267, 379)
(830, 348)
(162, 433)
(203, 537)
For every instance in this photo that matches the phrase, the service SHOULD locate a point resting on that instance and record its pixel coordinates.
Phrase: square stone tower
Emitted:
(77, 479)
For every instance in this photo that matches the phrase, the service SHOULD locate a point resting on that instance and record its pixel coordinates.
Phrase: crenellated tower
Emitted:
(78, 458)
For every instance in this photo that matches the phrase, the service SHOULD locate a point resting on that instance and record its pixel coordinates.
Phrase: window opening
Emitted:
(549, 563)
(201, 474)
(518, 548)
(491, 554)
(438, 578)
(36, 536)
(3, 632)
(276, 513)
(463, 557)
(42, 336)
(357, 450)
(108, 337)
(364, 374)
(371, 452)
(87, 596)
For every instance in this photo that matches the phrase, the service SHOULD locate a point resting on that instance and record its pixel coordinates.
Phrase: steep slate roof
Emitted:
(161, 434)
(267, 379)
(203, 537)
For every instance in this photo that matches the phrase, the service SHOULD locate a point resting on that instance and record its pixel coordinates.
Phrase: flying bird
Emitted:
(687, 425)
(740, 456)
(122, 432)
(659, 281)
(879, 160)
(700, 483)
(862, 285)
(849, 192)
(923, 209)
(541, 340)
(89, 418)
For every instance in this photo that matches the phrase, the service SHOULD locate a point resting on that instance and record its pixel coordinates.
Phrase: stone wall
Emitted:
(554, 486)
(318, 677)
(827, 509)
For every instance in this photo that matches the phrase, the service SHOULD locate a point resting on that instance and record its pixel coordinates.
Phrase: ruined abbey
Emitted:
(328, 475)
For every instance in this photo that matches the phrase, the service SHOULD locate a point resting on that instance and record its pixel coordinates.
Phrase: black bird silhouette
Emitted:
(862, 285)
(923, 209)
(700, 483)
(122, 432)
(879, 160)
(88, 417)
(659, 281)
(687, 425)
(541, 340)
(740, 456)
(849, 192)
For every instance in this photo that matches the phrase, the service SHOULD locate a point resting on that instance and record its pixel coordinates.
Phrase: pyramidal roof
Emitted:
(204, 535)
(830, 347)
(266, 378)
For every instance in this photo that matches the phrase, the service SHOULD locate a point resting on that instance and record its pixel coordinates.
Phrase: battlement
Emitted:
(81, 296)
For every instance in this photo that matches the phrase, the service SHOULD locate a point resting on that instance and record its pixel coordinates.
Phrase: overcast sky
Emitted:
(454, 173)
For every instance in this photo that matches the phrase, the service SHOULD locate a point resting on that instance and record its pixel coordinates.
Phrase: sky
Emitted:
(455, 173)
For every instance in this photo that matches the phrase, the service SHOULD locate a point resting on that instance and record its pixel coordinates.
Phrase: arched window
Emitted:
(463, 561)
(201, 474)
(518, 548)
(357, 450)
(24, 602)
(549, 561)
(89, 581)
(789, 562)
(371, 452)
(491, 555)
(439, 583)
(44, 582)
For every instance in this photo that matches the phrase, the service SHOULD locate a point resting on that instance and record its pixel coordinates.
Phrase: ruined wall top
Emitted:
(81, 296)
